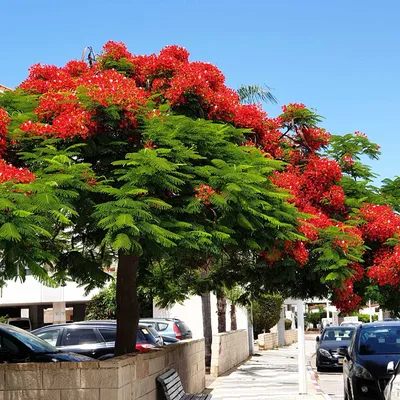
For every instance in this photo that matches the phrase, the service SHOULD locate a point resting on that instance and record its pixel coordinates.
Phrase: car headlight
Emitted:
(361, 372)
(325, 353)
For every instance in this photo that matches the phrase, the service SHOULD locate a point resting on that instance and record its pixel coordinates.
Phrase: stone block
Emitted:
(156, 364)
(109, 394)
(125, 375)
(31, 395)
(125, 393)
(15, 380)
(142, 369)
(80, 394)
(62, 379)
(99, 378)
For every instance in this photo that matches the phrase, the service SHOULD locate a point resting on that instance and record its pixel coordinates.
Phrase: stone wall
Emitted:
(228, 350)
(267, 341)
(121, 378)
(290, 336)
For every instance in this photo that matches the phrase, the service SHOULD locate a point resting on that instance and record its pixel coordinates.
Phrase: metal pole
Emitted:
(327, 310)
(370, 311)
(302, 348)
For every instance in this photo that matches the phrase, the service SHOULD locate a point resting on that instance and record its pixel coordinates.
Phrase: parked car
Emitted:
(365, 368)
(19, 346)
(332, 338)
(94, 338)
(23, 323)
(172, 327)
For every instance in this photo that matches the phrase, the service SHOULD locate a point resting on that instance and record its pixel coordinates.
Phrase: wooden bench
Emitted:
(170, 385)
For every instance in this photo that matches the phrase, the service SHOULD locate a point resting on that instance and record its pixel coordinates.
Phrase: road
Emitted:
(331, 383)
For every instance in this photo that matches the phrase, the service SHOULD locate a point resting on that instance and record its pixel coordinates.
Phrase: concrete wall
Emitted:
(228, 350)
(122, 378)
(267, 341)
(190, 312)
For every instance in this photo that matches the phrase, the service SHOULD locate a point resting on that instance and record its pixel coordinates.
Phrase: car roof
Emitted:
(380, 324)
(161, 319)
(83, 324)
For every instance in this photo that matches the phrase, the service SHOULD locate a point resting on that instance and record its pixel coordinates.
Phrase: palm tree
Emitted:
(256, 94)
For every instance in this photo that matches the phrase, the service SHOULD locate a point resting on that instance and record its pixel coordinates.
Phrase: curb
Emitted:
(316, 384)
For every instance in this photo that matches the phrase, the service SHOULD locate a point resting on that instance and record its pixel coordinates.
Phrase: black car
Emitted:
(365, 368)
(19, 346)
(95, 339)
(333, 337)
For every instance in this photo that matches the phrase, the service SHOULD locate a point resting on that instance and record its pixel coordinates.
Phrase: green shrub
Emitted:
(266, 312)
(365, 317)
(288, 324)
(314, 318)
(104, 304)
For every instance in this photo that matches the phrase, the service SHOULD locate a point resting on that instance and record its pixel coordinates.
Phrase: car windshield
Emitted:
(380, 340)
(31, 341)
(149, 338)
(338, 334)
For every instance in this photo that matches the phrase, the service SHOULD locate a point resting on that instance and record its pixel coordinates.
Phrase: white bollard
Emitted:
(302, 348)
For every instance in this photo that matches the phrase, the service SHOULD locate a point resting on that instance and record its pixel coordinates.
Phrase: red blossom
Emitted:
(204, 193)
(11, 173)
(381, 223)
(4, 122)
(348, 160)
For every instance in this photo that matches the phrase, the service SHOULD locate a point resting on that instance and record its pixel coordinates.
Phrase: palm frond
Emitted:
(256, 94)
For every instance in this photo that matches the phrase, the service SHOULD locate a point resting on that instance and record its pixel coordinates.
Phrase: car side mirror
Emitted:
(390, 368)
(343, 351)
(317, 338)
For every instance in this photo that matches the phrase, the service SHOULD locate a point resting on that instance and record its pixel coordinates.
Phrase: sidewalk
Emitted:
(268, 375)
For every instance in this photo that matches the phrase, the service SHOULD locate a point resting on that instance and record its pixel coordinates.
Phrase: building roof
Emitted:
(3, 88)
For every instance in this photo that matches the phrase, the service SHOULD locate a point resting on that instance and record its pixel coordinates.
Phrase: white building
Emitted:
(43, 304)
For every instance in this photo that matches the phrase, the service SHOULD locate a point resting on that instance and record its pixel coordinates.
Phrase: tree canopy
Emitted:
(153, 161)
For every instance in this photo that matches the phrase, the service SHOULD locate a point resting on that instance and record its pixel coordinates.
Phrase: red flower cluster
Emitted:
(315, 138)
(381, 223)
(10, 173)
(292, 107)
(348, 160)
(4, 121)
(386, 267)
(204, 193)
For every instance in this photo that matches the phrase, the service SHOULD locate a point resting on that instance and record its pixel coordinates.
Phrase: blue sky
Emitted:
(340, 57)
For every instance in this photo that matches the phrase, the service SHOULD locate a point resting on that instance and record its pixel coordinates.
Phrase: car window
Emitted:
(141, 338)
(75, 337)
(380, 340)
(161, 326)
(50, 336)
(338, 334)
(6, 345)
(148, 337)
(109, 335)
(182, 326)
(28, 339)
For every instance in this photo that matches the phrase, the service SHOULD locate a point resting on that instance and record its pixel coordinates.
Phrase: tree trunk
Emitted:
(233, 317)
(127, 304)
(221, 311)
(207, 329)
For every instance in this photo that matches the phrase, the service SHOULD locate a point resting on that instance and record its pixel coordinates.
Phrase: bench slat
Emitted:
(172, 388)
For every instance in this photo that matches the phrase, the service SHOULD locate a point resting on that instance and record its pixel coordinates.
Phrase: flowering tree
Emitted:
(165, 169)
(159, 186)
